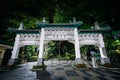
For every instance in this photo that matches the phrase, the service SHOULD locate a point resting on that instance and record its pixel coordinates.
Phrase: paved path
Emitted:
(59, 72)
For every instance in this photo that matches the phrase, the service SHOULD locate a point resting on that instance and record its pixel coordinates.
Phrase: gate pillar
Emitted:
(15, 51)
(16, 47)
(41, 48)
(104, 58)
(77, 47)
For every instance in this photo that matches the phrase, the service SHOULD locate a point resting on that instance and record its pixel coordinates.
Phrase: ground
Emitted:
(58, 71)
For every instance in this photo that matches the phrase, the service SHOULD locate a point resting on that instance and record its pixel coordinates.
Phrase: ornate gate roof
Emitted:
(62, 25)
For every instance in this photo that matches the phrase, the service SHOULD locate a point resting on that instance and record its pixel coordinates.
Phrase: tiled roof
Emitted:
(46, 25)
(93, 30)
(23, 31)
(5, 44)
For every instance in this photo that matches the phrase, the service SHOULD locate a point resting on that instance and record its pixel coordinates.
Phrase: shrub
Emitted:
(108, 65)
(34, 58)
(80, 65)
(39, 67)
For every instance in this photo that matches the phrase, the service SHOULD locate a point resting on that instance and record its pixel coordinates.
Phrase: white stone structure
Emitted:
(59, 32)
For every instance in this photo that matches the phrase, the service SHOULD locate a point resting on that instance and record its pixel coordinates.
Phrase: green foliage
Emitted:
(11, 67)
(85, 49)
(114, 53)
(29, 22)
(59, 57)
(28, 53)
(34, 58)
(59, 50)
(58, 18)
(116, 43)
(113, 48)
(86, 26)
(39, 67)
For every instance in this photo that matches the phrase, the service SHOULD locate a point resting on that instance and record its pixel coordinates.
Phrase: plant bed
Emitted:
(10, 67)
(110, 66)
(38, 67)
(79, 66)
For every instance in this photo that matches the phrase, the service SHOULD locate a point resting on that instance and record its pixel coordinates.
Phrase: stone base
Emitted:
(40, 61)
(12, 61)
(78, 61)
(105, 60)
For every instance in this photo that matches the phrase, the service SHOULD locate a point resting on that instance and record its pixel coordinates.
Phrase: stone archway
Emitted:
(60, 32)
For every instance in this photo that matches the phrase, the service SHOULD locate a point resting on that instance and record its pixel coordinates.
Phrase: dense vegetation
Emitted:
(106, 12)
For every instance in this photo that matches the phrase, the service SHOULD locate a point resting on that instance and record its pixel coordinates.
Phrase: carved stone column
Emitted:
(15, 48)
(77, 48)
(15, 51)
(104, 58)
(41, 48)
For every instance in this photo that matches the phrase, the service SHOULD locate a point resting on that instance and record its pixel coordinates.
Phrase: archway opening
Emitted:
(28, 54)
(89, 51)
(61, 50)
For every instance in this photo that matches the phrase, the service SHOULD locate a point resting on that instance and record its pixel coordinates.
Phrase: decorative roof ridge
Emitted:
(76, 24)
(60, 23)
(101, 30)
(23, 31)
(11, 29)
(93, 29)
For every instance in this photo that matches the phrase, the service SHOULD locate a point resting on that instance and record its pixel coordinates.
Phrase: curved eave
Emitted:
(23, 31)
(93, 30)
(62, 25)
(6, 46)
(116, 32)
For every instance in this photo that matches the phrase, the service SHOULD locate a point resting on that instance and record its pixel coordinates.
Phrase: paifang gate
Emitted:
(59, 32)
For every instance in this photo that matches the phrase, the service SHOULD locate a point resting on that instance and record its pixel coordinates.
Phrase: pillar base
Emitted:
(78, 61)
(12, 61)
(105, 60)
(94, 64)
(40, 61)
